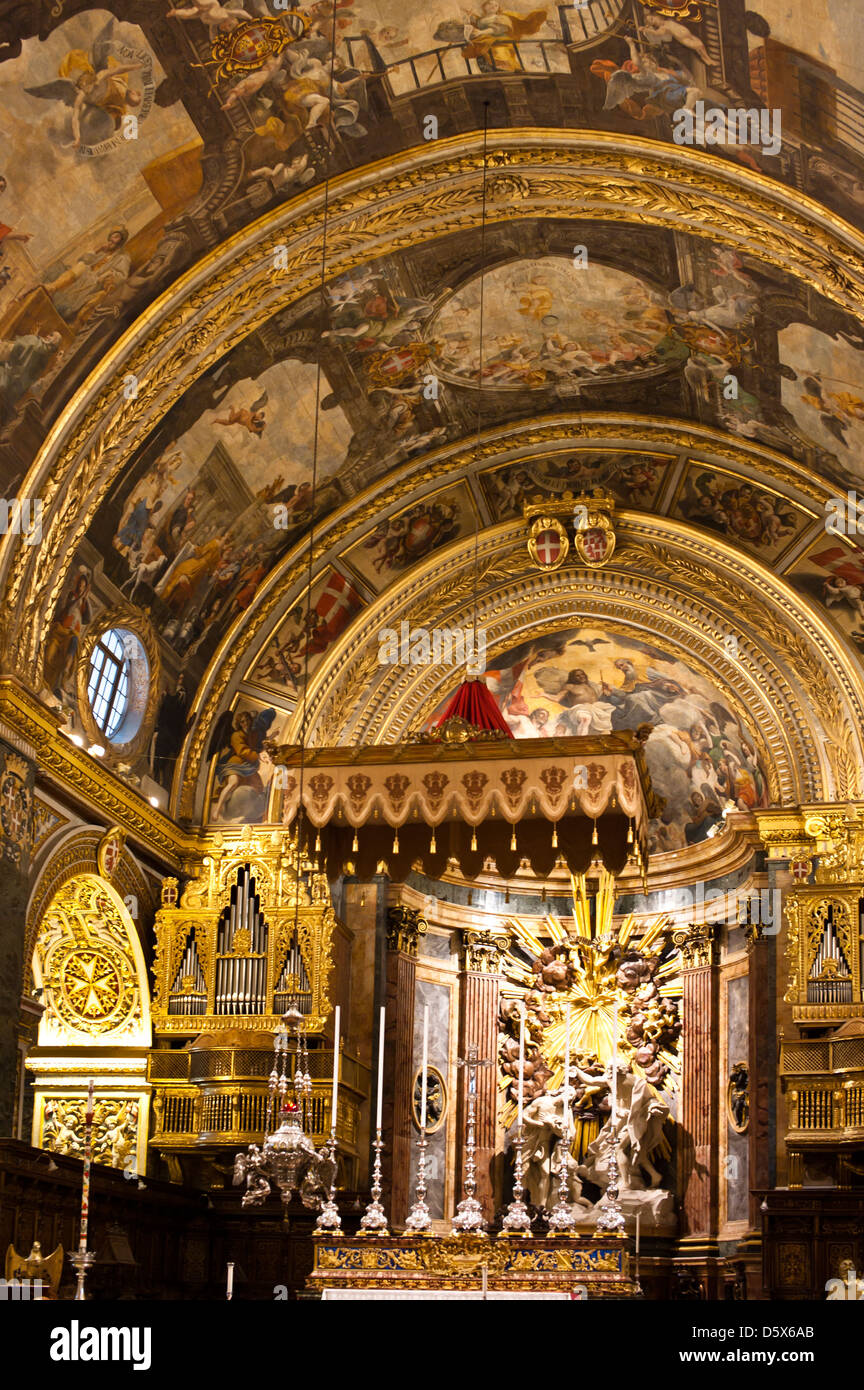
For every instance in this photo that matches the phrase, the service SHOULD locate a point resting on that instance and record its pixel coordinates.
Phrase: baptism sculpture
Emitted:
(636, 1137)
(543, 1123)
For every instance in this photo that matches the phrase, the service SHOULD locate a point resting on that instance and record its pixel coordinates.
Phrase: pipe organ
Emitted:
(824, 952)
(830, 978)
(250, 935)
(822, 1070)
(241, 951)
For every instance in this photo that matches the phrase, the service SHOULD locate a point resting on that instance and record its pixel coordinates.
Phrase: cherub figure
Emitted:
(249, 1167)
(252, 418)
(657, 30)
(592, 1078)
(217, 17)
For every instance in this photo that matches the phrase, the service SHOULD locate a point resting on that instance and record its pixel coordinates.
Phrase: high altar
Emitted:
(250, 1074)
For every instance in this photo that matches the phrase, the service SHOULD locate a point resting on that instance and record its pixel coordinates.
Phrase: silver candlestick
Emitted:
(419, 1221)
(469, 1213)
(328, 1217)
(561, 1219)
(375, 1218)
(518, 1217)
(611, 1217)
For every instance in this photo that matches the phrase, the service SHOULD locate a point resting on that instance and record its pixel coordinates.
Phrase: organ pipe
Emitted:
(241, 966)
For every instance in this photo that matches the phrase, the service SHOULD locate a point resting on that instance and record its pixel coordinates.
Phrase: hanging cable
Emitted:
(304, 703)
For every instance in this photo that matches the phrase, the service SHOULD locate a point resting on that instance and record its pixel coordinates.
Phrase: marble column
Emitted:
(404, 928)
(700, 1088)
(479, 1001)
(17, 775)
(762, 1079)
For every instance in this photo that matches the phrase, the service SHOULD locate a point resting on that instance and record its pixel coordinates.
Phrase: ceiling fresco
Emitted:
(549, 321)
(351, 417)
(225, 488)
(166, 130)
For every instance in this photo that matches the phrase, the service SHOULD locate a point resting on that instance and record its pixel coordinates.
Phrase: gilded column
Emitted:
(479, 1001)
(699, 1133)
(405, 926)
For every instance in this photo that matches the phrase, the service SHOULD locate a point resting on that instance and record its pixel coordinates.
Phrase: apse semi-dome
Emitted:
(702, 758)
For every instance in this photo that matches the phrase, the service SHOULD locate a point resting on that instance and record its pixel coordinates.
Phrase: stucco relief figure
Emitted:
(543, 1124)
(248, 1168)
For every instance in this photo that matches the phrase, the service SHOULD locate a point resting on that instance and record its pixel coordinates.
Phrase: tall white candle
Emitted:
(567, 1074)
(521, 1086)
(229, 1293)
(638, 1219)
(380, 1068)
(424, 1067)
(335, 1096)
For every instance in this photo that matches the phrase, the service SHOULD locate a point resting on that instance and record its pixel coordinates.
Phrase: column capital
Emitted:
(482, 951)
(405, 926)
(698, 945)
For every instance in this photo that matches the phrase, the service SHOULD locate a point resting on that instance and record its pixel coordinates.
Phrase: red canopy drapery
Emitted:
(475, 703)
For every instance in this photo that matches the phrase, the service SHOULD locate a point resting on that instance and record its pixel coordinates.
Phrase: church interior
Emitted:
(431, 696)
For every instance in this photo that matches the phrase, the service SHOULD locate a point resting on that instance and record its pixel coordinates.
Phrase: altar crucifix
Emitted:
(469, 1213)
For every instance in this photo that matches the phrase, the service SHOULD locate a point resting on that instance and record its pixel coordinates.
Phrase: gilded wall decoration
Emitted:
(89, 966)
(17, 779)
(400, 694)
(115, 1129)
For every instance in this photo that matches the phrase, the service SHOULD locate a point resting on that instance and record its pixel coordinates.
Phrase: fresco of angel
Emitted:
(252, 418)
(491, 33)
(95, 87)
(643, 88)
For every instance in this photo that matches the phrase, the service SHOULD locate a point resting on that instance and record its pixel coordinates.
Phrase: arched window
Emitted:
(118, 683)
(108, 682)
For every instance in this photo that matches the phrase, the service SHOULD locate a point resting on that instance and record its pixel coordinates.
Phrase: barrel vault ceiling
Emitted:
(244, 253)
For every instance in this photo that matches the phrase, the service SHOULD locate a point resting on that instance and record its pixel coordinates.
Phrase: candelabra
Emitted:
(561, 1220)
(518, 1217)
(611, 1215)
(419, 1220)
(288, 1156)
(374, 1219)
(469, 1213)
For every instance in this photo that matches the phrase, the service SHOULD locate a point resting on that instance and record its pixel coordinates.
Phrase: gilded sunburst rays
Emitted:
(629, 972)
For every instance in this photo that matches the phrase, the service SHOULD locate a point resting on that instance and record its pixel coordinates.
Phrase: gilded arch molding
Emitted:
(74, 855)
(511, 443)
(395, 204)
(696, 588)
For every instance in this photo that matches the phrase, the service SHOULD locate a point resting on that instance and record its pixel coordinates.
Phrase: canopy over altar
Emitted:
(457, 794)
